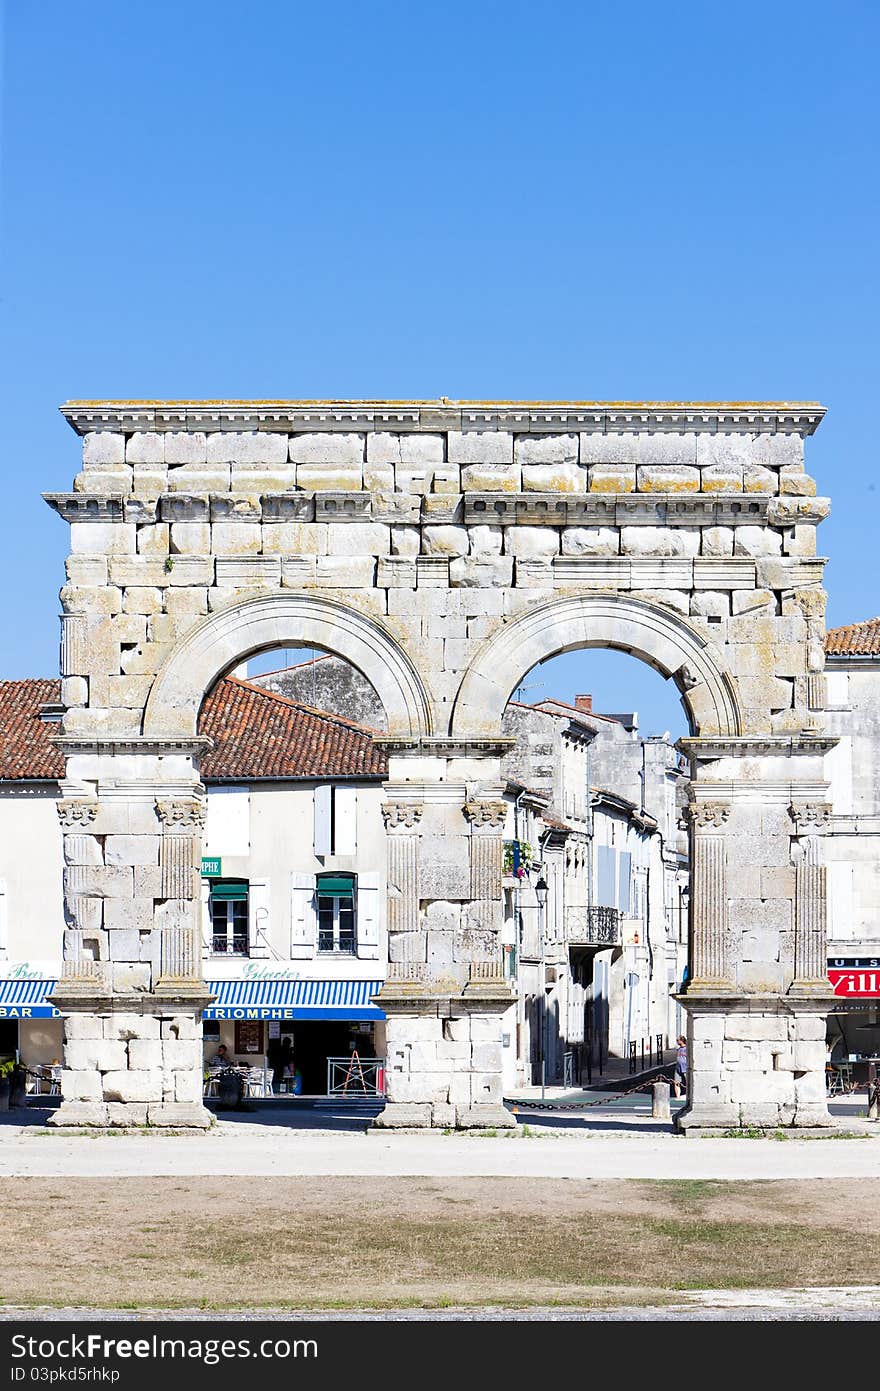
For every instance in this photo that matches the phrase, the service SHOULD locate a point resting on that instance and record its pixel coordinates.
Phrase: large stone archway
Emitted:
(283, 620)
(443, 548)
(662, 639)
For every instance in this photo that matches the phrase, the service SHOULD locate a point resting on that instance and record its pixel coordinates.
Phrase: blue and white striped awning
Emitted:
(26, 999)
(294, 999)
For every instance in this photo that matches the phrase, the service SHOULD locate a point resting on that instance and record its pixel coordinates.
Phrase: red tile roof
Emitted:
(25, 751)
(256, 733)
(260, 734)
(854, 639)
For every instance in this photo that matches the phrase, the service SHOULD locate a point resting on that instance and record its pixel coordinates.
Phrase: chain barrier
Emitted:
(586, 1105)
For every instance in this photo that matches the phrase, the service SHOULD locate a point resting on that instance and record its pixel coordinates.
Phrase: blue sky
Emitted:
(482, 199)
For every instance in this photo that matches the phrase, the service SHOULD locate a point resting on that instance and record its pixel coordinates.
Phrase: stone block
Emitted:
(125, 944)
(109, 480)
(345, 448)
(531, 542)
(153, 540)
(145, 447)
(443, 1115)
(756, 1027)
(481, 571)
(81, 1086)
(103, 447)
(708, 603)
(82, 850)
(345, 572)
(145, 1053)
(553, 478)
(793, 482)
(180, 1113)
(485, 541)
(83, 1027)
(667, 451)
(181, 1026)
(546, 449)
(778, 451)
(809, 1055)
(718, 540)
(486, 1057)
(335, 478)
(177, 1053)
(79, 1113)
(811, 1087)
(445, 540)
(126, 1113)
(757, 479)
(102, 538)
(485, 1028)
(98, 881)
(480, 447)
(404, 1117)
(721, 478)
(128, 914)
(105, 1055)
(458, 1030)
(125, 976)
(658, 540)
(188, 1085)
(486, 1089)
(131, 850)
(247, 447)
(485, 1116)
(186, 447)
(756, 541)
(236, 538)
(609, 449)
(724, 450)
(590, 540)
(667, 479)
(612, 478)
(491, 478)
(405, 541)
(190, 538)
(127, 1026)
(428, 1088)
(358, 538)
(459, 1092)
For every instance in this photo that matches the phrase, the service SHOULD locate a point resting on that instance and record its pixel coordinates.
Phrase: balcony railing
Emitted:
(593, 927)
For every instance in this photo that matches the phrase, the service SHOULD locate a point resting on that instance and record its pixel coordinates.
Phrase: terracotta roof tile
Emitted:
(260, 734)
(854, 639)
(25, 750)
(256, 733)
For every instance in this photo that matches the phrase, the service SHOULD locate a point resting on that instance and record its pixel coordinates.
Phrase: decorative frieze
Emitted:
(486, 812)
(74, 814)
(401, 814)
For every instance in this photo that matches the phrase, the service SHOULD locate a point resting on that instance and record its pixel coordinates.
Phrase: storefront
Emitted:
(290, 1027)
(853, 1029)
(30, 1027)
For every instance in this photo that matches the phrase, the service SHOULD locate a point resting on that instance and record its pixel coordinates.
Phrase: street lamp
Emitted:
(541, 896)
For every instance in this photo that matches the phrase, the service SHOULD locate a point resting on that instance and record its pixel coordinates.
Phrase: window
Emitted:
(336, 917)
(335, 820)
(229, 917)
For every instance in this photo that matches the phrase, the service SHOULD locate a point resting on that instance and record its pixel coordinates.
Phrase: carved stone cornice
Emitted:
(85, 507)
(531, 417)
(749, 745)
(401, 814)
(76, 815)
(185, 814)
(486, 813)
(706, 814)
(810, 818)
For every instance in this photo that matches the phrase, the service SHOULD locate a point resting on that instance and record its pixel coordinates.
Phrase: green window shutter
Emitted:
(223, 890)
(335, 885)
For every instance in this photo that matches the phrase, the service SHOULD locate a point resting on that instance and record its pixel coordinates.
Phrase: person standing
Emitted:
(679, 1078)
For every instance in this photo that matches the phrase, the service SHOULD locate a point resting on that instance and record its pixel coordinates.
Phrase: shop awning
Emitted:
(294, 999)
(335, 886)
(26, 999)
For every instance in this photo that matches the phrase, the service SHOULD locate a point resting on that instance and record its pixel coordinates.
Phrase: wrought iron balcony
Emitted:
(593, 927)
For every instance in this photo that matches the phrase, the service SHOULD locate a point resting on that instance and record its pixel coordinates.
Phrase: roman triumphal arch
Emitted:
(443, 548)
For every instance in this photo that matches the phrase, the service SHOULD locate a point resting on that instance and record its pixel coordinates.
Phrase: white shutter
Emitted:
(207, 932)
(258, 917)
(4, 922)
(323, 819)
(368, 919)
(303, 918)
(345, 830)
(228, 827)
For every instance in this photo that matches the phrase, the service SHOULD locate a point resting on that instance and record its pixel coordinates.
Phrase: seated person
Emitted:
(221, 1058)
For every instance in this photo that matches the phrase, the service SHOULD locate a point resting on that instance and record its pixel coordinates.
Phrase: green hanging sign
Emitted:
(212, 866)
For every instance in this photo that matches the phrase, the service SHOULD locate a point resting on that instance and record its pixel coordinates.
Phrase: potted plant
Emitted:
(5, 1082)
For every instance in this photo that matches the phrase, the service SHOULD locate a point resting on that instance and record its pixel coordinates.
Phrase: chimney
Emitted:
(584, 703)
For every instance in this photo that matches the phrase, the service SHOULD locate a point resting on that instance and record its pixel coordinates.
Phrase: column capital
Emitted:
(810, 818)
(75, 815)
(181, 814)
(491, 813)
(708, 814)
(401, 814)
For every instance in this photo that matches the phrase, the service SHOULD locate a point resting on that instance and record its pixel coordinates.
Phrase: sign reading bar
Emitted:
(212, 866)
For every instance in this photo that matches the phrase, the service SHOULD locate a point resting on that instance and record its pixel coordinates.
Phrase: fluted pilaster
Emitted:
(711, 965)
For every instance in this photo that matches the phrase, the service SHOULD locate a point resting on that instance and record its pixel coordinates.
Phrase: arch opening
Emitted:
(658, 637)
(234, 635)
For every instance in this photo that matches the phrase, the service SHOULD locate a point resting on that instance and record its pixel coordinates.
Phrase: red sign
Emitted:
(855, 982)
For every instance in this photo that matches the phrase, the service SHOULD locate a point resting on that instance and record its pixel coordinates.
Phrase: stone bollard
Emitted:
(660, 1110)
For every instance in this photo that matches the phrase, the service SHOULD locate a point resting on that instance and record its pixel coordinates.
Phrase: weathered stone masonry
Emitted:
(443, 549)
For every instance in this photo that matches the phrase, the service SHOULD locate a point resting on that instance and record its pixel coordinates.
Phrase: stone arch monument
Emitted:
(443, 548)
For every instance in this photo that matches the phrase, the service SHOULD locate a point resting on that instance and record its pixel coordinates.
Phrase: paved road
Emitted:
(612, 1148)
